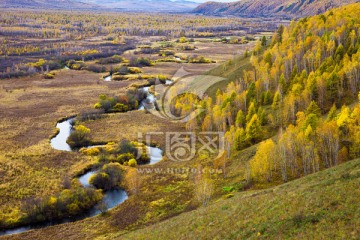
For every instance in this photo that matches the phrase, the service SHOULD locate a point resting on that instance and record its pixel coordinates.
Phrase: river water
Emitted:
(111, 198)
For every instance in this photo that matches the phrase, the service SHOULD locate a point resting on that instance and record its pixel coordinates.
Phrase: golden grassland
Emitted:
(216, 51)
(162, 195)
(30, 108)
(113, 127)
(30, 35)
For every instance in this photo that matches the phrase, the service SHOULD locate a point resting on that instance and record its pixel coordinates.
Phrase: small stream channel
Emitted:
(111, 198)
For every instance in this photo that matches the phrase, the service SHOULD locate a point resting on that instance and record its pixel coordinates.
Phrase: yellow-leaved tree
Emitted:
(263, 163)
(204, 186)
(133, 180)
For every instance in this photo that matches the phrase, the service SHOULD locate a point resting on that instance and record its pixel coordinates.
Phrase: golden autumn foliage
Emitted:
(310, 69)
(264, 161)
(133, 180)
(204, 186)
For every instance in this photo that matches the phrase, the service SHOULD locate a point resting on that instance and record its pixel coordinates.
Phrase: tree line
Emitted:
(309, 69)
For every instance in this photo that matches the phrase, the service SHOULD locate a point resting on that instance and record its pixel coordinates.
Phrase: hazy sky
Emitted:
(214, 0)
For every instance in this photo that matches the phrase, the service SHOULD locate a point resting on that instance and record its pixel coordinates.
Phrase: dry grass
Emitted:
(213, 50)
(30, 108)
(219, 51)
(35, 105)
(30, 168)
(313, 207)
(114, 127)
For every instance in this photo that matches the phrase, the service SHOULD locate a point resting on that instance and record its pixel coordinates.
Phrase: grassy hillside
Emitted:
(231, 70)
(279, 8)
(324, 205)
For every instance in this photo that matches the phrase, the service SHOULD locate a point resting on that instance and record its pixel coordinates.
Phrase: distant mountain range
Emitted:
(46, 4)
(105, 5)
(270, 8)
(244, 8)
(147, 5)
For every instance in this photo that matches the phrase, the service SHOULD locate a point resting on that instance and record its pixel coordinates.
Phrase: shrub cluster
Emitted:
(95, 68)
(66, 205)
(166, 53)
(124, 70)
(49, 75)
(141, 62)
(108, 177)
(200, 59)
(188, 47)
(110, 60)
(235, 40)
(125, 152)
(75, 65)
(122, 103)
(80, 137)
(147, 50)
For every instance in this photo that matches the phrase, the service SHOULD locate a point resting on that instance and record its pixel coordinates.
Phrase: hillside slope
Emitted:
(279, 8)
(324, 205)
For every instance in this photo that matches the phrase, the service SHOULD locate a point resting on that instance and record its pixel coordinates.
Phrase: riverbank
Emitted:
(111, 198)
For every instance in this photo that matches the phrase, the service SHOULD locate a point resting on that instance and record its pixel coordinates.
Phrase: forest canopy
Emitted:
(298, 91)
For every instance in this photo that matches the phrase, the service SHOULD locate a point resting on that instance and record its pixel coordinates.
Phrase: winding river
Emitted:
(149, 101)
(111, 198)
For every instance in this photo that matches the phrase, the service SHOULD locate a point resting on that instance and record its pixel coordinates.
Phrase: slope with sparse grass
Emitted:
(231, 71)
(324, 205)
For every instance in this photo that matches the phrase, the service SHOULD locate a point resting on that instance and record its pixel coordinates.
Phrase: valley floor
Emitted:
(30, 168)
